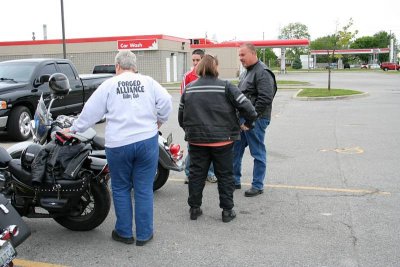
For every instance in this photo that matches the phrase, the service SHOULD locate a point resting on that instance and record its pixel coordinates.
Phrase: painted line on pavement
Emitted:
(26, 263)
(313, 188)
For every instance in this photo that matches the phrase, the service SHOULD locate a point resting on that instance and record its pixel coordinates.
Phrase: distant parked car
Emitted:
(346, 66)
(332, 66)
(105, 68)
(390, 66)
(374, 66)
(370, 66)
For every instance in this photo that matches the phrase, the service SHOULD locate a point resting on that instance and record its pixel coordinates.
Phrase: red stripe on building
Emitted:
(95, 39)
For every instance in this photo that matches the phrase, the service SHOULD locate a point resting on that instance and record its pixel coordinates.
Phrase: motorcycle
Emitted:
(80, 202)
(43, 128)
(13, 231)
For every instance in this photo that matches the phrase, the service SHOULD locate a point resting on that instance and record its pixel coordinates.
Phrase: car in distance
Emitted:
(104, 68)
(374, 66)
(346, 66)
(370, 66)
(332, 65)
(389, 66)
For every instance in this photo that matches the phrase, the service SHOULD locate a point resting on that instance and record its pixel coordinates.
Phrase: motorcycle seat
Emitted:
(98, 143)
(25, 177)
(16, 169)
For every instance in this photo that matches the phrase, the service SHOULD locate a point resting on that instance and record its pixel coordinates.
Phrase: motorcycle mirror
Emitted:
(44, 78)
(169, 139)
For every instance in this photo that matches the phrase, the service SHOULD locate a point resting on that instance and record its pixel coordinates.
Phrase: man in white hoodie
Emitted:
(134, 106)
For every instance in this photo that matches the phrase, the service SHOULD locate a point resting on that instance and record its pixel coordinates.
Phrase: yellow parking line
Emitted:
(26, 263)
(314, 188)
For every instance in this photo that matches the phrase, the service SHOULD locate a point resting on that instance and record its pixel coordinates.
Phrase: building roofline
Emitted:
(259, 43)
(95, 39)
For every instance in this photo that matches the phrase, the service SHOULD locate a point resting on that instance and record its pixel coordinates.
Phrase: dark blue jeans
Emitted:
(134, 166)
(253, 138)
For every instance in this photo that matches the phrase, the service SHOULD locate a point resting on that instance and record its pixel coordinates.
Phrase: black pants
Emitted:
(200, 159)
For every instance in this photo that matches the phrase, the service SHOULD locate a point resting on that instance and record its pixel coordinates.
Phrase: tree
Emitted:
(323, 43)
(379, 40)
(267, 56)
(297, 63)
(295, 31)
(342, 39)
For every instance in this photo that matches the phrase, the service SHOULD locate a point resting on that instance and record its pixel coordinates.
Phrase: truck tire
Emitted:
(18, 126)
(385, 69)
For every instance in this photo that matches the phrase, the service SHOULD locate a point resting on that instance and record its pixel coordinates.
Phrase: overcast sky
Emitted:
(220, 20)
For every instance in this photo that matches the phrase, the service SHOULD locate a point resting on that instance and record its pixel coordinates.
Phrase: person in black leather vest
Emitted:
(208, 115)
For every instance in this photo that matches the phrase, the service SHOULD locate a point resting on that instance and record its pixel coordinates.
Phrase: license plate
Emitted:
(7, 253)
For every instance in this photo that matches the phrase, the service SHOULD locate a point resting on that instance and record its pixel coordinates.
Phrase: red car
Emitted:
(390, 66)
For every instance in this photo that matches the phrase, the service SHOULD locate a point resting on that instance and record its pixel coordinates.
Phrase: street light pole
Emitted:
(63, 29)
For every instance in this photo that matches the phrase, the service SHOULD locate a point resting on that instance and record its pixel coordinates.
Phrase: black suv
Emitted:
(105, 68)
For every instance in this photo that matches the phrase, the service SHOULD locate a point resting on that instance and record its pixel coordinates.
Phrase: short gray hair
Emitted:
(126, 60)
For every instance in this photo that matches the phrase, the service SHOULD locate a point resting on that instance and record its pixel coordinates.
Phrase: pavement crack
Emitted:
(352, 234)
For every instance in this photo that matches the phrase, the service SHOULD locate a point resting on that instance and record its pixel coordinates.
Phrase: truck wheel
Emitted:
(385, 69)
(18, 125)
(161, 177)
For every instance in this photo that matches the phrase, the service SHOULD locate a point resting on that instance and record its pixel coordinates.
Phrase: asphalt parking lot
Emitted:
(331, 197)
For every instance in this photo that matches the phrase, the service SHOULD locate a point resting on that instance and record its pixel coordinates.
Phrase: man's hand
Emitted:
(244, 127)
(159, 124)
(66, 131)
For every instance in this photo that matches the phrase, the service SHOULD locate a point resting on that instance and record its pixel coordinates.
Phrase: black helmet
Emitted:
(59, 84)
(28, 155)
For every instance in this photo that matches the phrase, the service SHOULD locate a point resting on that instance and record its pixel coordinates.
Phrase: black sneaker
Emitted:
(141, 243)
(194, 213)
(228, 215)
(119, 238)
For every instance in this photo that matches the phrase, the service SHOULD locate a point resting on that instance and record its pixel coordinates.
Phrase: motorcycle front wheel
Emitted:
(161, 177)
(93, 209)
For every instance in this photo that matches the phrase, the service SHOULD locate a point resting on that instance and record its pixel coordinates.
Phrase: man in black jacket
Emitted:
(258, 84)
(207, 113)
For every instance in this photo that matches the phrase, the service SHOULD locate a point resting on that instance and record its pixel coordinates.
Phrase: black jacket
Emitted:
(56, 162)
(258, 84)
(208, 111)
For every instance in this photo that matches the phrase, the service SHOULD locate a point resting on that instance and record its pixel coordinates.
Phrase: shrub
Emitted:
(297, 63)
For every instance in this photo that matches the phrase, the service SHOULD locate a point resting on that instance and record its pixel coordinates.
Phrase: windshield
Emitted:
(41, 121)
(16, 71)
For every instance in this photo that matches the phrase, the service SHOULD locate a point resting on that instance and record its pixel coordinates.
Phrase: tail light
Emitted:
(105, 172)
(105, 169)
(175, 151)
(9, 232)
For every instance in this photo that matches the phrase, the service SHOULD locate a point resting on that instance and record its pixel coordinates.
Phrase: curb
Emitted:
(324, 98)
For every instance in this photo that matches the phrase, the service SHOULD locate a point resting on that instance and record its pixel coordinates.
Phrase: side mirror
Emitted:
(41, 80)
(44, 78)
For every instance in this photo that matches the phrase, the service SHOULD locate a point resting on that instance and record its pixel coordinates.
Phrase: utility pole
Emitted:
(63, 29)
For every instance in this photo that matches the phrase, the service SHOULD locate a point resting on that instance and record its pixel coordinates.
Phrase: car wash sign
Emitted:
(138, 44)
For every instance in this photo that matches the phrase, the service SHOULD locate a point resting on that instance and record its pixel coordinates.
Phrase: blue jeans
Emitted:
(134, 167)
(187, 163)
(253, 138)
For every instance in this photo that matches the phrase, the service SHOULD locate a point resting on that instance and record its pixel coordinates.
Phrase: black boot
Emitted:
(194, 213)
(228, 215)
